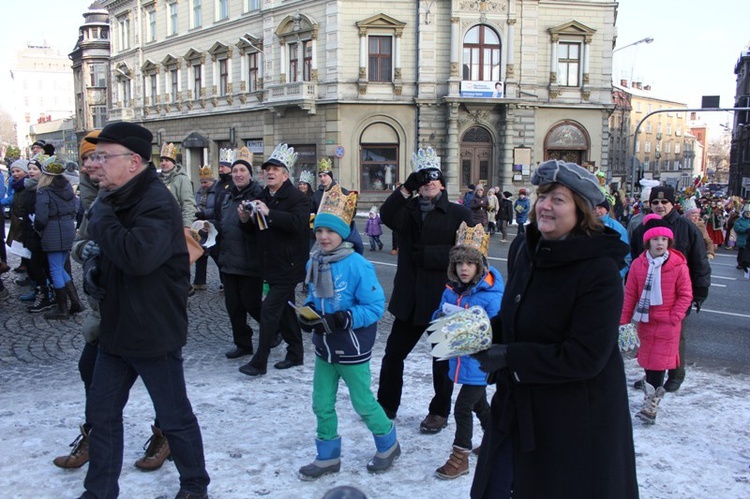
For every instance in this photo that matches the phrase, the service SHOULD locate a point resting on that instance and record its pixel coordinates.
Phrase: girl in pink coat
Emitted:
(658, 294)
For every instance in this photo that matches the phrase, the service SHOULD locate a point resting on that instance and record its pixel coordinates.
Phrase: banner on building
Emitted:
(482, 89)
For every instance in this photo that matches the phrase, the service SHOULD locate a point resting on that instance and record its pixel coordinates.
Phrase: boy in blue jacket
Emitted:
(471, 281)
(345, 293)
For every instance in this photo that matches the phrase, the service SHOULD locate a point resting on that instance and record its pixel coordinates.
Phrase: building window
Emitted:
(647, 147)
(638, 146)
(379, 166)
(668, 147)
(123, 25)
(223, 76)
(294, 61)
(174, 80)
(677, 148)
(125, 92)
(252, 76)
(679, 130)
(99, 115)
(197, 18)
(197, 81)
(253, 4)
(569, 64)
(648, 127)
(98, 75)
(151, 18)
(669, 128)
(152, 88)
(380, 58)
(481, 56)
(173, 18)
(658, 128)
(222, 9)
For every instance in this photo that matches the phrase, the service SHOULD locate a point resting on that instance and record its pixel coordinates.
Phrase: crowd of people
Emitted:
(560, 409)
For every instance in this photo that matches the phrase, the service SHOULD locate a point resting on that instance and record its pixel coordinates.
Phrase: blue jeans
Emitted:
(56, 260)
(164, 379)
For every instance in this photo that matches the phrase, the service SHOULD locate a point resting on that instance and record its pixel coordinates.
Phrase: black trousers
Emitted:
(404, 336)
(201, 264)
(472, 399)
(242, 295)
(277, 315)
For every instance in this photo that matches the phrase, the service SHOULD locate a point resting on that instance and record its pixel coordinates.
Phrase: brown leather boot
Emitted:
(79, 455)
(157, 451)
(456, 465)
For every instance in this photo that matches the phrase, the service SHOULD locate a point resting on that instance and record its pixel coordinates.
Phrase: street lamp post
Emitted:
(648, 39)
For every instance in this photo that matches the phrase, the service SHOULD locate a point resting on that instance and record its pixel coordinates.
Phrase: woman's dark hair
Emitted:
(588, 222)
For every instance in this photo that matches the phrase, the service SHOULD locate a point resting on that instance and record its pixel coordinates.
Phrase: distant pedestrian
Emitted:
(478, 206)
(742, 229)
(522, 207)
(492, 207)
(657, 296)
(505, 215)
(374, 229)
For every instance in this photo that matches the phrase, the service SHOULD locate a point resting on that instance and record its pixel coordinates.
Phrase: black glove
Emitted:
(90, 280)
(413, 182)
(339, 320)
(417, 255)
(493, 359)
(699, 296)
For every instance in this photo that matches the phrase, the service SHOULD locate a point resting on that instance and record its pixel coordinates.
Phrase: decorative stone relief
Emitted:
(586, 94)
(585, 77)
(553, 77)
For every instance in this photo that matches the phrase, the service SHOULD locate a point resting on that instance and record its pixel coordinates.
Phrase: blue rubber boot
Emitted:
(388, 450)
(327, 461)
(30, 296)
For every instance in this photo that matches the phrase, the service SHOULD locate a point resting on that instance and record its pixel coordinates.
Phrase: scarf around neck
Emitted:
(319, 271)
(651, 294)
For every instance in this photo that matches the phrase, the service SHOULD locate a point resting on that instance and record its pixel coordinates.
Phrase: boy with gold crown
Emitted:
(471, 281)
(345, 293)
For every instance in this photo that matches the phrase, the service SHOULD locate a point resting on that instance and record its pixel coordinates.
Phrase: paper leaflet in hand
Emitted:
(19, 249)
(200, 225)
(460, 333)
(627, 338)
(305, 312)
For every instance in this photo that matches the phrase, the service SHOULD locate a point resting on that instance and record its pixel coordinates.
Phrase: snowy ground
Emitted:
(258, 432)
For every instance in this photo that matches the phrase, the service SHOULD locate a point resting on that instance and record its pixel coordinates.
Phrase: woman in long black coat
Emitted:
(560, 421)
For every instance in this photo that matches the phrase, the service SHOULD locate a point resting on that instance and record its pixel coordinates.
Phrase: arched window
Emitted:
(481, 59)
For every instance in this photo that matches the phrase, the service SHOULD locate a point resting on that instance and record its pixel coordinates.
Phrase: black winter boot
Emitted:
(42, 301)
(61, 312)
(75, 302)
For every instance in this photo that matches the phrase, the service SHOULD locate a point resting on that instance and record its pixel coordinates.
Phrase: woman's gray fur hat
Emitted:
(574, 177)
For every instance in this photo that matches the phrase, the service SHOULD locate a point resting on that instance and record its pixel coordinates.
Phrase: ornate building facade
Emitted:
(495, 86)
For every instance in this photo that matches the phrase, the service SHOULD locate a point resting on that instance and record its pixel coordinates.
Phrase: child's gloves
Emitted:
(492, 359)
(310, 325)
(338, 320)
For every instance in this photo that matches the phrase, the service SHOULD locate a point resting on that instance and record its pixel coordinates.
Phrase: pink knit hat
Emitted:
(655, 227)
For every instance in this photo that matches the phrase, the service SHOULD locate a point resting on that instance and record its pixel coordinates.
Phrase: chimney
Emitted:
(692, 116)
(624, 83)
(647, 87)
(637, 84)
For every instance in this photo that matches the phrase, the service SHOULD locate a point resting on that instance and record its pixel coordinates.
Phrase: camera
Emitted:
(248, 207)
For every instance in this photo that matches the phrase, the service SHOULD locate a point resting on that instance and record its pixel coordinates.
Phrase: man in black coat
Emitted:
(426, 225)
(688, 241)
(505, 215)
(281, 218)
(142, 278)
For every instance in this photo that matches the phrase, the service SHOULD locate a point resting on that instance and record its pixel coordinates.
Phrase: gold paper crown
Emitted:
(226, 155)
(474, 237)
(169, 151)
(206, 172)
(338, 204)
(325, 165)
(307, 177)
(284, 156)
(244, 154)
(425, 158)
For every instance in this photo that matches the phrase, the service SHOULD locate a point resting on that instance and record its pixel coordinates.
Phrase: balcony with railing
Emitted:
(299, 93)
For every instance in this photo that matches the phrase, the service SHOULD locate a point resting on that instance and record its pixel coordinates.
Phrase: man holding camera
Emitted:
(426, 224)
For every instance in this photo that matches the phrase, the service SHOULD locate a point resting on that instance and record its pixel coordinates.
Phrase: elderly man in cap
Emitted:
(281, 219)
(142, 276)
(688, 241)
(426, 224)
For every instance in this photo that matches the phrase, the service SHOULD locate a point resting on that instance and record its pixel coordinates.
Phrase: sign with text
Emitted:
(482, 89)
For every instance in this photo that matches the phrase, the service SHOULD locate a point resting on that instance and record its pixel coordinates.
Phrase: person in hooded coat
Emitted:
(560, 417)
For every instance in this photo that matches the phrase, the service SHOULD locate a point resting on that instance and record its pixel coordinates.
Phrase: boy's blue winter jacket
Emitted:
(356, 289)
(488, 294)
